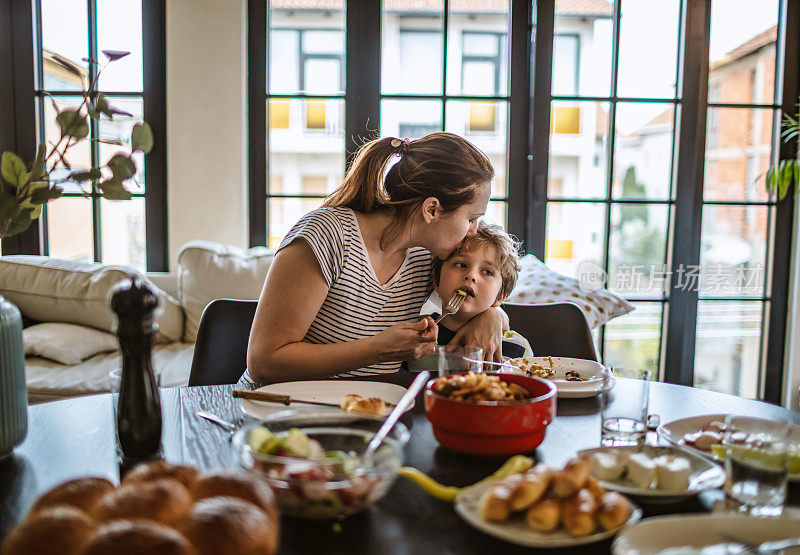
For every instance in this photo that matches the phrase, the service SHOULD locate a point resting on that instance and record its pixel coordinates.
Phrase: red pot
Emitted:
(494, 428)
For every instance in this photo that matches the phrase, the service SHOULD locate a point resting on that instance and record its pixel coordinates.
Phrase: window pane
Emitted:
(643, 150)
(727, 350)
(411, 53)
(284, 213)
(574, 235)
(78, 156)
(634, 339)
(578, 136)
(637, 249)
(742, 55)
(295, 39)
(477, 48)
(565, 65)
(733, 250)
(647, 52)
(123, 232)
(69, 228)
(410, 119)
(738, 151)
(592, 55)
(119, 27)
(119, 129)
(497, 213)
(57, 16)
(322, 76)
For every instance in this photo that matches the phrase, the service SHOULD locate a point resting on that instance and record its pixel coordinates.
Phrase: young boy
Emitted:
(486, 268)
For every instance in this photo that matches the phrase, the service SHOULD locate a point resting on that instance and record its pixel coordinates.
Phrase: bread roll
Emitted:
(81, 493)
(594, 487)
(572, 478)
(138, 537)
(163, 500)
(544, 515)
(229, 526)
(229, 483)
(578, 513)
(152, 470)
(614, 510)
(61, 529)
(495, 503)
(531, 487)
(356, 403)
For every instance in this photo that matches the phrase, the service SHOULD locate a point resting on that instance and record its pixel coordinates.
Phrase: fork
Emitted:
(452, 306)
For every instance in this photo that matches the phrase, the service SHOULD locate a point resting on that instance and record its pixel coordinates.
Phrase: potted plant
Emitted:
(25, 188)
(787, 171)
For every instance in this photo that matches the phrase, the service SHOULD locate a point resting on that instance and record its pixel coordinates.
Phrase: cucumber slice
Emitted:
(297, 443)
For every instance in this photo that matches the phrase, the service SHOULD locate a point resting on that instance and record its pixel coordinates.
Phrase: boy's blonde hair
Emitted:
(506, 248)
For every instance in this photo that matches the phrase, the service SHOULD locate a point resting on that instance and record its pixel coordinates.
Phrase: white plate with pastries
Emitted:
(325, 391)
(574, 378)
(685, 431)
(659, 474)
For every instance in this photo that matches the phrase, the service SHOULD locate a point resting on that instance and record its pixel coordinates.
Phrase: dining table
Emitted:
(76, 437)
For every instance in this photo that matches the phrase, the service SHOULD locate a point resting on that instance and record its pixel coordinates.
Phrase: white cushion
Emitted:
(209, 270)
(52, 290)
(539, 284)
(48, 380)
(66, 343)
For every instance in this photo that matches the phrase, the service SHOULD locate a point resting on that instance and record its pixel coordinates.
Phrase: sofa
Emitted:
(69, 328)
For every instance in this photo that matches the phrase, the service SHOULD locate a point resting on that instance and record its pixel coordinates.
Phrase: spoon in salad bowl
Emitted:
(397, 412)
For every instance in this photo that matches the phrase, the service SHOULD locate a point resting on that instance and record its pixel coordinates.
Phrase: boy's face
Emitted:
(475, 270)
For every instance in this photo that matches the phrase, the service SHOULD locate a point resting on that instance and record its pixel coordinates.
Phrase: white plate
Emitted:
(675, 430)
(705, 474)
(326, 391)
(590, 370)
(515, 530)
(653, 535)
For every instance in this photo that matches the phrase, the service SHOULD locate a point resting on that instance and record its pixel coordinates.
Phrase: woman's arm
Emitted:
(293, 293)
(485, 330)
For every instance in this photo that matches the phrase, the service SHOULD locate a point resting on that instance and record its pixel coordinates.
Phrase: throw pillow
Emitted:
(66, 343)
(539, 284)
(209, 270)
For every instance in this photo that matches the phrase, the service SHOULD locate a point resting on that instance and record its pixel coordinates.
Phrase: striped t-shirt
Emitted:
(357, 305)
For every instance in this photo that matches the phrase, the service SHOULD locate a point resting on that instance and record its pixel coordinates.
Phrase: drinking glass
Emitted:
(460, 358)
(624, 418)
(756, 464)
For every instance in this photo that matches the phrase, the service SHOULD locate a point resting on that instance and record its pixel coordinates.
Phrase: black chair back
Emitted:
(553, 329)
(220, 352)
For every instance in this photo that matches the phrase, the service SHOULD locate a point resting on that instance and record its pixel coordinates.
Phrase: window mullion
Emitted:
(94, 128)
(258, 112)
(682, 314)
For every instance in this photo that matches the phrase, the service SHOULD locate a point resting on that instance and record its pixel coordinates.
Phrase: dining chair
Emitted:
(220, 352)
(553, 329)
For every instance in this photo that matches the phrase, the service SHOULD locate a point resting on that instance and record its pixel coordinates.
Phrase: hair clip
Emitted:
(400, 145)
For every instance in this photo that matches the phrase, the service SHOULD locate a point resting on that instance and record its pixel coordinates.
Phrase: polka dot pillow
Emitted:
(539, 284)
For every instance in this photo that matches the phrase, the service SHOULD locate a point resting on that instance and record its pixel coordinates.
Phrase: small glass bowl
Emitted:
(320, 488)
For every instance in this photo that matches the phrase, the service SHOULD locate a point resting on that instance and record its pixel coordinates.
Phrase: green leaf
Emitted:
(115, 142)
(113, 189)
(115, 54)
(79, 177)
(103, 106)
(19, 222)
(92, 110)
(8, 206)
(72, 124)
(37, 170)
(122, 166)
(12, 168)
(142, 138)
(45, 194)
(89, 60)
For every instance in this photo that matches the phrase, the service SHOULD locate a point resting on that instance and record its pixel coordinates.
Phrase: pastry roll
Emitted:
(594, 487)
(495, 503)
(607, 466)
(614, 510)
(673, 472)
(578, 513)
(353, 402)
(572, 478)
(531, 487)
(641, 470)
(544, 515)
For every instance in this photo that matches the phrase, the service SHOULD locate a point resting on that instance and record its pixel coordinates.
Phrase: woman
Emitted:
(347, 296)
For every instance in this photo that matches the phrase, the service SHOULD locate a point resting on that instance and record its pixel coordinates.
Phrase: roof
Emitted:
(754, 44)
(563, 7)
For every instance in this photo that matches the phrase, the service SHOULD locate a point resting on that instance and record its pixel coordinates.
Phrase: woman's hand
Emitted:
(407, 341)
(485, 330)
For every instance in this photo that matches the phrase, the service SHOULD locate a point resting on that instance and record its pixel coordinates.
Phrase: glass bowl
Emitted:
(325, 487)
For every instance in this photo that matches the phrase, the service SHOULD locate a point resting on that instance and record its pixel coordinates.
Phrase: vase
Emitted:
(13, 393)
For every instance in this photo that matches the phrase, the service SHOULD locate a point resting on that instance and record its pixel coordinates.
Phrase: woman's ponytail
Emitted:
(362, 189)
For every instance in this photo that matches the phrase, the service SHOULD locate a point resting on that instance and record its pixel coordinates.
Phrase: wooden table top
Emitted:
(75, 437)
